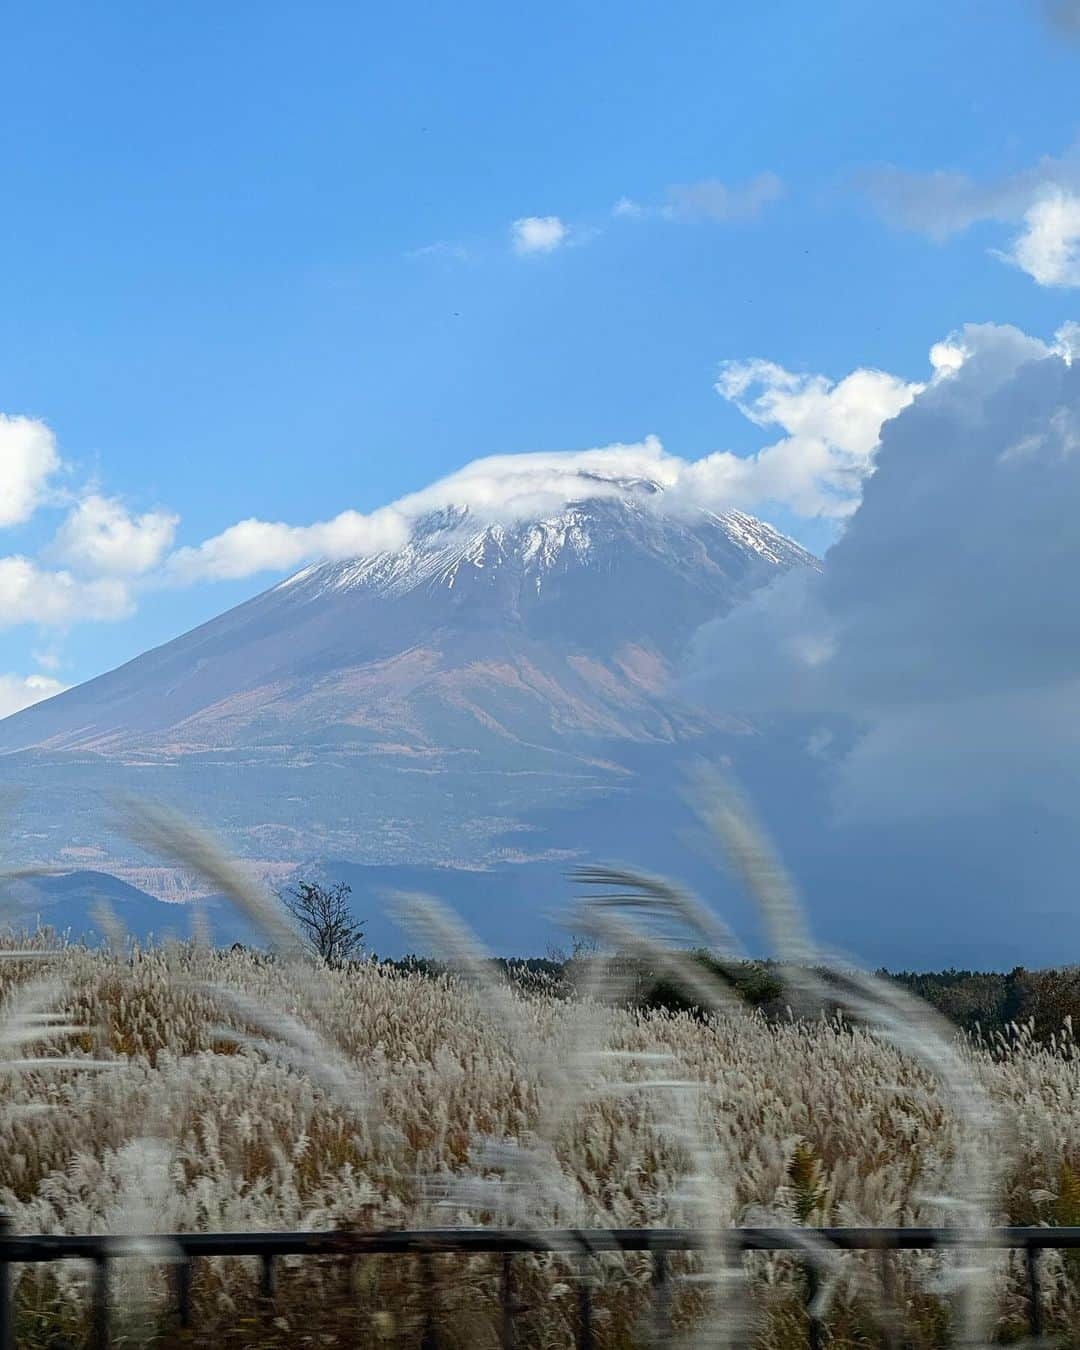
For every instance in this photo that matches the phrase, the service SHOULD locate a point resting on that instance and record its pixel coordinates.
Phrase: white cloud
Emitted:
(708, 199)
(99, 537)
(20, 691)
(947, 357)
(30, 594)
(1048, 249)
(253, 546)
(538, 234)
(818, 467)
(1067, 341)
(28, 459)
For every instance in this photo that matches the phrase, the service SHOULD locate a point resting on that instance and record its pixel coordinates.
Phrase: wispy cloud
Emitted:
(441, 248)
(707, 200)
(629, 209)
(20, 691)
(47, 658)
(711, 200)
(1044, 199)
(538, 234)
(943, 203)
(1064, 17)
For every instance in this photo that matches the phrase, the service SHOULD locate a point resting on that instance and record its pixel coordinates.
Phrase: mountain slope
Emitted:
(541, 629)
(413, 705)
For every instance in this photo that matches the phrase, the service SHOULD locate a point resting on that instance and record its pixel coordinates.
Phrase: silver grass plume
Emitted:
(895, 1015)
(525, 1164)
(616, 889)
(293, 1043)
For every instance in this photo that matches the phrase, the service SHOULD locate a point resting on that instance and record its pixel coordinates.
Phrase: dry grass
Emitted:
(440, 1108)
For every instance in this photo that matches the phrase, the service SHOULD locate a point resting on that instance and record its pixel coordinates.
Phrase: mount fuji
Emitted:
(425, 706)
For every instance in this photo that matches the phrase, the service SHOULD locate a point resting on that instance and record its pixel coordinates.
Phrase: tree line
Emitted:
(982, 1003)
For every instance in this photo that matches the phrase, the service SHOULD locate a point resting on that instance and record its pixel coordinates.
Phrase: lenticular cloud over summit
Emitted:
(828, 437)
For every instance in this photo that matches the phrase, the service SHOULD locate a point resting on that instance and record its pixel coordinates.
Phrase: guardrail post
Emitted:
(507, 1328)
(888, 1298)
(585, 1325)
(183, 1291)
(267, 1301)
(430, 1339)
(7, 1311)
(99, 1313)
(813, 1284)
(267, 1277)
(661, 1298)
(1035, 1318)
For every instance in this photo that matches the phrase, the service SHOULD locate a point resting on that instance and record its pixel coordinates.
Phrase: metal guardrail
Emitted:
(506, 1243)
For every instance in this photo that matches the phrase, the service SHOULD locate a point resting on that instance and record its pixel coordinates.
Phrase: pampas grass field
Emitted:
(181, 1088)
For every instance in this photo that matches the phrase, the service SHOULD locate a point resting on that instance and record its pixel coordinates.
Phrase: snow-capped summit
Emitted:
(453, 541)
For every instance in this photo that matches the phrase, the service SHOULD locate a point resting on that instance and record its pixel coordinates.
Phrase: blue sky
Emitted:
(260, 261)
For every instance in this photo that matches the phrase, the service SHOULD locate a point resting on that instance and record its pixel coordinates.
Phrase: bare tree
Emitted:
(324, 915)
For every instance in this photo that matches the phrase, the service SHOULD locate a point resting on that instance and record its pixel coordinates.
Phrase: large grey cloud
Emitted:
(935, 662)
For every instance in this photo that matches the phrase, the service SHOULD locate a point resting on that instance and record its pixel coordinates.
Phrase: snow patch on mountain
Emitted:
(582, 534)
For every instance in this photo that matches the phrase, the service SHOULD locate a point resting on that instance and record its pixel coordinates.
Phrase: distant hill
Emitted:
(67, 903)
(512, 903)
